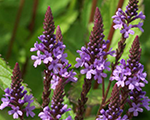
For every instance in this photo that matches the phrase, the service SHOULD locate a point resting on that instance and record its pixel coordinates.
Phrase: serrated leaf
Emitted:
(5, 75)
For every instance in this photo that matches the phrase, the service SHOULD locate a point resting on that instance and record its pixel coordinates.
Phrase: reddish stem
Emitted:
(94, 3)
(12, 39)
(31, 26)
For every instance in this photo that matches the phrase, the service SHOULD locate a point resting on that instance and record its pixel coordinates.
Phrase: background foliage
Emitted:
(73, 18)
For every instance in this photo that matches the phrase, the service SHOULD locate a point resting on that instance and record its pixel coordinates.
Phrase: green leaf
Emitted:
(90, 118)
(107, 11)
(85, 15)
(5, 75)
(4, 115)
(66, 20)
(75, 90)
(71, 57)
(75, 37)
(94, 97)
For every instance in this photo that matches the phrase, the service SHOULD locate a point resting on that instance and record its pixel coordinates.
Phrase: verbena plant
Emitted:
(127, 98)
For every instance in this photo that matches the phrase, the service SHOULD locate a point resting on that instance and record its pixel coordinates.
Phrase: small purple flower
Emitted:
(135, 109)
(118, 19)
(80, 62)
(42, 38)
(29, 109)
(54, 81)
(140, 15)
(38, 58)
(48, 57)
(71, 76)
(57, 53)
(99, 75)
(121, 71)
(63, 58)
(37, 47)
(84, 57)
(45, 115)
(55, 66)
(141, 75)
(88, 71)
(101, 64)
(127, 30)
(132, 83)
(65, 109)
(121, 81)
(125, 117)
(102, 117)
(139, 25)
(146, 102)
(15, 111)
(28, 99)
(5, 103)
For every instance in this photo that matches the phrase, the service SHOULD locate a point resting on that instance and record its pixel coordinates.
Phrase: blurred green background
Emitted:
(21, 22)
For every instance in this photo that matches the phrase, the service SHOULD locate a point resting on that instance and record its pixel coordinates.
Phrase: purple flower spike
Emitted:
(50, 51)
(131, 78)
(131, 74)
(123, 20)
(92, 57)
(92, 60)
(16, 97)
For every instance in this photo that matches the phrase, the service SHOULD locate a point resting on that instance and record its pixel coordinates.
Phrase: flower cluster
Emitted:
(16, 97)
(122, 74)
(122, 19)
(50, 51)
(92, 57)
(54, 57)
